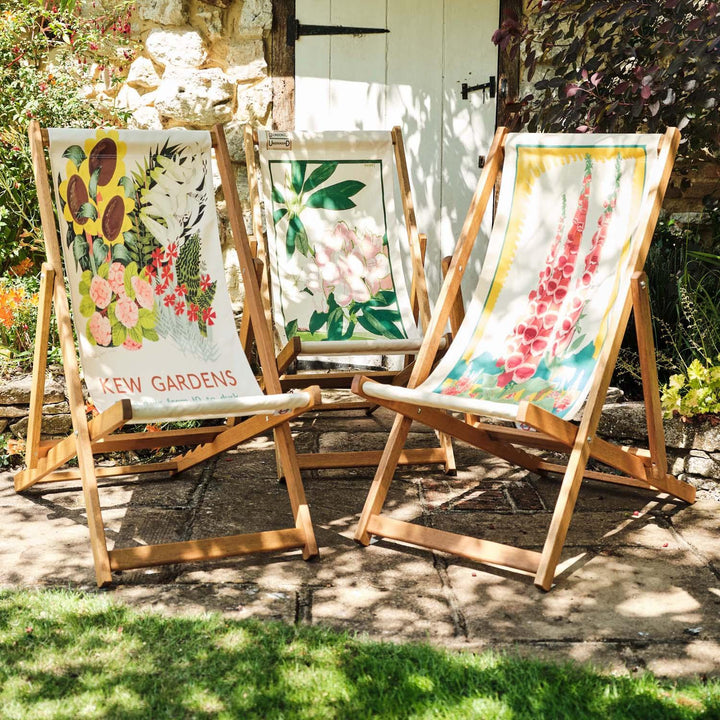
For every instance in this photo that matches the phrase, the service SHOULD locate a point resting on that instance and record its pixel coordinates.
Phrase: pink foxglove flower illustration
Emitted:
(99, 327)
(126, 311)
(100, 292)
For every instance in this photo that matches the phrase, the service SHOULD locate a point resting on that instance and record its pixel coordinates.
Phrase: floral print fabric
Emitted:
(334, 241)
(142, 256)
(555, 274)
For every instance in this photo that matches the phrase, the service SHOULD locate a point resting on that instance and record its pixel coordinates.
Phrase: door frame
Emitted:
(282, 66)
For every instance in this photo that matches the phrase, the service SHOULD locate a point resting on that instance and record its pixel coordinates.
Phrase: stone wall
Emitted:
(193, 64)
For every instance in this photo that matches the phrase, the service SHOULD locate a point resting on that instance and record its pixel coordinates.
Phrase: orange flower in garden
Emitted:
(22, 268)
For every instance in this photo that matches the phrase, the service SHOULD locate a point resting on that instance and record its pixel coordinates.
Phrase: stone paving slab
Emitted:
(639, 587)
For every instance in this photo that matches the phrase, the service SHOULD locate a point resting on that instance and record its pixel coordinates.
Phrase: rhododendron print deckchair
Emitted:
(342, 265)
(155, 328)
(540, 338)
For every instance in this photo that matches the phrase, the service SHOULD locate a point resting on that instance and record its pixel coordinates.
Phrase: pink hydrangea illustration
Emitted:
(116, 278)
(100, 292)
(99, 327)
(127, 311)
(131, 344)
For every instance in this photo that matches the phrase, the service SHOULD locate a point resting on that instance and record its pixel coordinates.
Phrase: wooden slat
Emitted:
(104, 424)
(648, 373)
(418, 282)
(70, 361)
(37, 392)
(112, 471)
(205, 549)
(483, 551)
(368, 458)
(457, 312)
(236, 434)
(288, 354)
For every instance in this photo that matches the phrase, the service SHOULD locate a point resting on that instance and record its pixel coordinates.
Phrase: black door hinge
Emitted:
(296, 29)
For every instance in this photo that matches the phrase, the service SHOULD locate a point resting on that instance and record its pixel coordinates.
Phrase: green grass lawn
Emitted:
(69, 655)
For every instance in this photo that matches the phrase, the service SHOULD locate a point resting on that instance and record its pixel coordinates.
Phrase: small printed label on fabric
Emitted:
(279, 141)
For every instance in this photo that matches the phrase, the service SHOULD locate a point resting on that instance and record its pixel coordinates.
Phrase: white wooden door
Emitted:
(411, 77)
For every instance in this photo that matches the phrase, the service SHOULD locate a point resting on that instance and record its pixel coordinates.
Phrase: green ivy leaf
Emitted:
(291, 329)
(100, 251)
(319, 175)
(93, 184)
(75, 154)
(88, 210)
(336, 197)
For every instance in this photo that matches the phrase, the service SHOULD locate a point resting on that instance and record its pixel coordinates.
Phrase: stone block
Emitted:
(235, 140)
(142, 74)
(128, 98)
(196, 97)
(256, 14)
(146, 118)
(51, 425)
(176, 48)
(3, 425)
(254, 102)
(245, 60)
(16, 390)
(162, 12)
(699, 462)
(209, 20)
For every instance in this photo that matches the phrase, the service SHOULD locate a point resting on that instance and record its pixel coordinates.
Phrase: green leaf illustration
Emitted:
(119, 333)
(319, 175)
(75, 154)
(291, 329)
(146, 319)
(297, 168)
(131, 271)
(87, 306)
(100, 251)
(335, 324)
(150, 334)
(120, 254)
(128, 185)
(296, 237)
(92, 185)
(88, 210)
(187, 266)
(81, 249)
(84, 284)
(278, 215)
(382, 299)
(317, 320)
(277, 195)
(135, 334)
(378, 323)
(336, 197)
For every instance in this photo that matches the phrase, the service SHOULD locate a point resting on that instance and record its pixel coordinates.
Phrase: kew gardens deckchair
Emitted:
(156, 334)
(338, 256)
(540, 338)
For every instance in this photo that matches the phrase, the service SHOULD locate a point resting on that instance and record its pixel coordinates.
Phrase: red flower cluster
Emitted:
(532, 336)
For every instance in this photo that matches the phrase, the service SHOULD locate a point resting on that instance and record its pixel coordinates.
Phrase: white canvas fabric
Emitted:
(151, 310)
(555, 277)
(335, 242)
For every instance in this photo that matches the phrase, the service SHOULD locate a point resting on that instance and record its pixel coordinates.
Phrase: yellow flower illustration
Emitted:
(80, 209)
(105, 156)
(114, 213)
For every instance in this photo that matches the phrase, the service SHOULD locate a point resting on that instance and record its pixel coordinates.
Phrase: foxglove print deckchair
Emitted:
(346, 279)
(540, 338)
(156, 334)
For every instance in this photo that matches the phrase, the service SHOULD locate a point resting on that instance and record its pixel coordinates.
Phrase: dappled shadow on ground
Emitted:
(113, 662)
(638, 587)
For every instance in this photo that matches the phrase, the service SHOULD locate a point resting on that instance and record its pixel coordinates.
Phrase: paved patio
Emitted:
(640, 585)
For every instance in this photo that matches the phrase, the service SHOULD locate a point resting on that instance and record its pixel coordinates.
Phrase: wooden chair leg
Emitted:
(383, 476)
(447, 447)
(37, 391)
(288, 461)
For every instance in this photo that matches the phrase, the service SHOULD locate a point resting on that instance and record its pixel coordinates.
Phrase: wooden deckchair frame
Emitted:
(288, 355)
(640, 468)
(43, 458)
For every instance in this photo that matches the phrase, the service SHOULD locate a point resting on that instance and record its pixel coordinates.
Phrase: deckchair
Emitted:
(336, 263)
(156, 334)
(540, 338)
